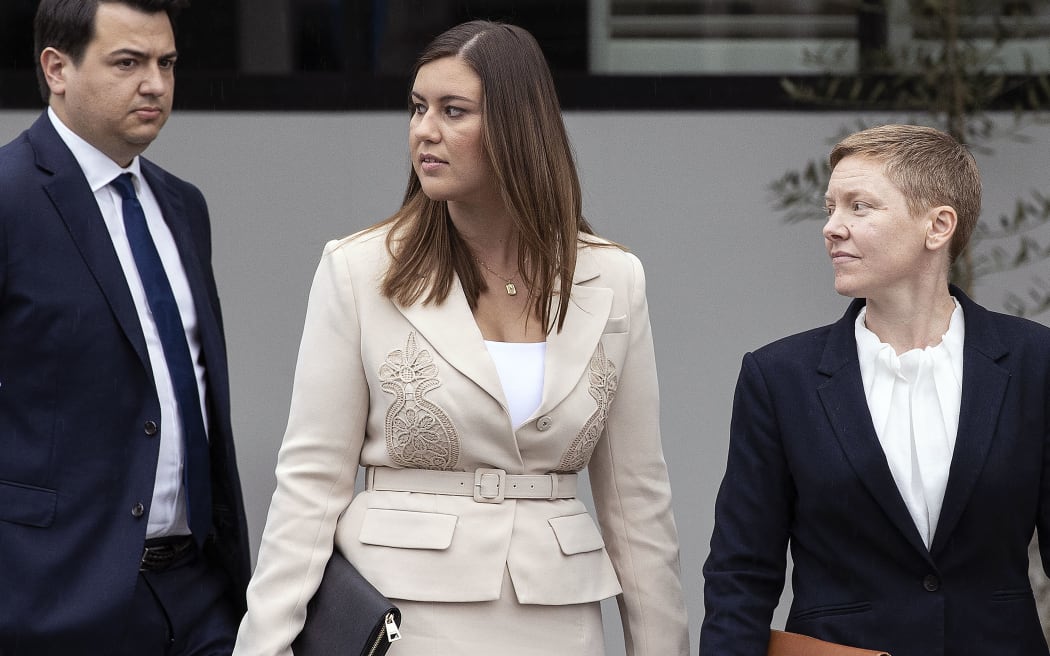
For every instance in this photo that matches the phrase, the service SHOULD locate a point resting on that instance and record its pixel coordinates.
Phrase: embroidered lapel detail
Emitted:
(452, 332)
(603, 382)
(569, 352)
(418, 433)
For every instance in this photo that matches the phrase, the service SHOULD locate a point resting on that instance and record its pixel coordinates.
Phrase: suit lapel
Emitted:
(76, 205)
(450, 328)
(569, 352)
(847, 409)
(983, 390)
(173, 211)
(209, 329)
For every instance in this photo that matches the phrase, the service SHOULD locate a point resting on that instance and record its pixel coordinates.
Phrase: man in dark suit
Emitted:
(902, 453)
(122, 529)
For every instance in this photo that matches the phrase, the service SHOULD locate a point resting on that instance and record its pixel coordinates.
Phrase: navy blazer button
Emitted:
(138, 510)
(150, 427)
(544, 423)
(931, 583)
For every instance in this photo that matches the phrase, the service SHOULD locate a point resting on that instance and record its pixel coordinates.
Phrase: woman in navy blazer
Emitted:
(900, 452)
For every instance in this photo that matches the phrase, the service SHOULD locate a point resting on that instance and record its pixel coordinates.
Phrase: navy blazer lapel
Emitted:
(69, 192)
(847, 410)
(983, 389)
(174, 211)
(209, 330)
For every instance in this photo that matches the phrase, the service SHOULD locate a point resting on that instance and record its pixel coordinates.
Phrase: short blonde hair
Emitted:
(929, 167)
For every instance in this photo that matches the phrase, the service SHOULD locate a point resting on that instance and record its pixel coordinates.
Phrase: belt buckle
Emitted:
(159, 558)
(489, 485)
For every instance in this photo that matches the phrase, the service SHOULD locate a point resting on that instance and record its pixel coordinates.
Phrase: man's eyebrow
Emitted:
(139, 54)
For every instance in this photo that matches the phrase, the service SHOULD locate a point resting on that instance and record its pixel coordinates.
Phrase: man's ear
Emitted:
(55, 66)
(941, 227)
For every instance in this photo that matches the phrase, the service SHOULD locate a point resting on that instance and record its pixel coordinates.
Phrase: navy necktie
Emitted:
(196, 470)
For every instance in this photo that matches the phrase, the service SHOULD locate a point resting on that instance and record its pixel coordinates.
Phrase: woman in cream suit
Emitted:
(474, 352)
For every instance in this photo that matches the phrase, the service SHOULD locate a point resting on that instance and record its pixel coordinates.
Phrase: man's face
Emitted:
(119, 96)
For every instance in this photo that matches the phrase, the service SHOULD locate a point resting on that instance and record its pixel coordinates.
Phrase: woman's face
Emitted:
(445, 133)
(875, 243)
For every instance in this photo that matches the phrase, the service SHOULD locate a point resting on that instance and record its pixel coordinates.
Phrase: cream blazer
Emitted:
(415, 387)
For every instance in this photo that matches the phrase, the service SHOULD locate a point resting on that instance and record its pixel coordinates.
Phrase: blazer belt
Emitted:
(485, 485)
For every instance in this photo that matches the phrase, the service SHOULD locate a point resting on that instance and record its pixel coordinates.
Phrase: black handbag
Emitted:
(347, 616)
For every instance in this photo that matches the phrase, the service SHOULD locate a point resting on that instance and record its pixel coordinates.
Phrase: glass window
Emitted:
(658, 54)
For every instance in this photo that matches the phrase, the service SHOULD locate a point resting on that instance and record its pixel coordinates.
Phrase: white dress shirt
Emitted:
(520, 367)
(914, 400)
(167, 514)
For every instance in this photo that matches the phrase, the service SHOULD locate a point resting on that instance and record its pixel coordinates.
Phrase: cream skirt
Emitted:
(502, 627)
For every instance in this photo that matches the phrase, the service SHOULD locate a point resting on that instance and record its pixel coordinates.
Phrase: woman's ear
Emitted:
(941, 227)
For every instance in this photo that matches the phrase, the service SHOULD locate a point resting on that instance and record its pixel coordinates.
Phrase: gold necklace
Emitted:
(511, 289)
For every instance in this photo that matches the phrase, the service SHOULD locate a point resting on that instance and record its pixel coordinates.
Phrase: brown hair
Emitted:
(525, 140)
(929, 167)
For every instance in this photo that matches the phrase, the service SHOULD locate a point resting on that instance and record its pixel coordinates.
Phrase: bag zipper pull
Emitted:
(392, 632)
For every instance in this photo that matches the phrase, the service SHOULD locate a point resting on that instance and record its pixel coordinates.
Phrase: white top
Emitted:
(914, 401)
(167, 515)
(520, 367)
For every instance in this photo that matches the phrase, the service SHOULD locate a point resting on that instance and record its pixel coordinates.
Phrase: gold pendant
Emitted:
(511, 289)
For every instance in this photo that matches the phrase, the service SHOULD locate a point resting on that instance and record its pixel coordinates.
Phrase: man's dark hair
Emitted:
(69, 26)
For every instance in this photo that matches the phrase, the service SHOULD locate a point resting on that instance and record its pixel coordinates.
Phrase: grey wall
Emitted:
(686, 191)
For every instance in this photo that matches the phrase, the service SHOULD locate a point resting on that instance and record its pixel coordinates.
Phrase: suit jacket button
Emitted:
(138, 510)
(150, 427)
(931, 583)
(544, 423)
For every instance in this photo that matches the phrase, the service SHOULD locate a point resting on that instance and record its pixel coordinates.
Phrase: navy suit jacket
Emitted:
(806, 469)
(76, 395)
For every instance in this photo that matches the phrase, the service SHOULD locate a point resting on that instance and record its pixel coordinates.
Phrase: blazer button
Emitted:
(150, 428)
(544, 423)
(138, 510)
(931, 583)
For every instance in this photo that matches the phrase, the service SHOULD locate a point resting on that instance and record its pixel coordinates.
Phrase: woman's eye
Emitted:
(454, 112)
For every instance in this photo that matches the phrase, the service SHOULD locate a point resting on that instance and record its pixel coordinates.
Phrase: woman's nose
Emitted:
(834, 227)
(426, 128)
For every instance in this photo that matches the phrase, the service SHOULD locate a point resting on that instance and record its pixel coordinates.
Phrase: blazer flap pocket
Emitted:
(617, 324)
(32, 506)
(576, 534)
(407, 529)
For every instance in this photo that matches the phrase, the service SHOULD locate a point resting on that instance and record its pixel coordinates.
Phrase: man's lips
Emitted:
(148, 112)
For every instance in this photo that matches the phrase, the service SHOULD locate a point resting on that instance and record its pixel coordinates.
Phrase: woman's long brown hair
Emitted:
(535, 173)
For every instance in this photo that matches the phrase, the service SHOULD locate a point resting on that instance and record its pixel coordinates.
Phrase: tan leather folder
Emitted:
(782, 643)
